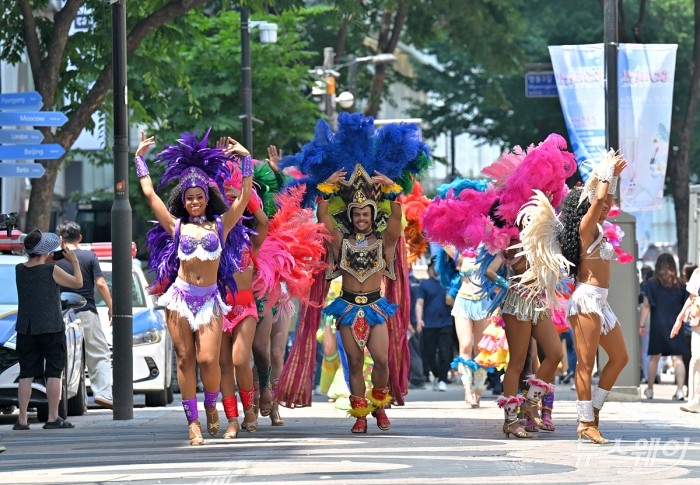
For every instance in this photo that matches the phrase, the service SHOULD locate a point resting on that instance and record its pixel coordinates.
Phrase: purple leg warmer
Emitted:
(190, 407)
(210, 399)
(548, 400)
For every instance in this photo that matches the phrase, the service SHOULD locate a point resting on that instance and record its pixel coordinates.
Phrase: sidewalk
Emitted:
(433, 439)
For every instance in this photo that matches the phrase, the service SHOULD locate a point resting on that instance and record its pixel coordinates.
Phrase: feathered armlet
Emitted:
(162, 259)
(547, 266)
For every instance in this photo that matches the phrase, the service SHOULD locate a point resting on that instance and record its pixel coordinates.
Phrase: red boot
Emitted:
(379, 399)
(360, 410)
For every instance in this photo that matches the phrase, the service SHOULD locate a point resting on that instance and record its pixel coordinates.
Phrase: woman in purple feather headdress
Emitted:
(187, 253)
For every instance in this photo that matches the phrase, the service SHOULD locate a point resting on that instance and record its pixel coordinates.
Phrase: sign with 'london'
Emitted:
(21, 137)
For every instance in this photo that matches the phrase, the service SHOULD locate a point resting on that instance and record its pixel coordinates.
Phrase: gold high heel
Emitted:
(232, 429)
(195, 433)
(517, 433)
(531, 412)
(265, 402)
(275, 416)
(591, 431)
(250, 424)
(213, 423)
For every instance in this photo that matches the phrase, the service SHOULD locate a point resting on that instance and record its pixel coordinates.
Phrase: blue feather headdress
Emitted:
(460, 184)
(191, 162)
(394, 150)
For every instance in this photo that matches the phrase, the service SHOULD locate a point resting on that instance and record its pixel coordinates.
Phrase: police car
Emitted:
(152, 346)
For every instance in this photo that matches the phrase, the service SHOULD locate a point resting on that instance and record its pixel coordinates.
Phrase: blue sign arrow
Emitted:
(29, 170)
(30, 100)
(49, 151)
(32, 118)
(21, 137)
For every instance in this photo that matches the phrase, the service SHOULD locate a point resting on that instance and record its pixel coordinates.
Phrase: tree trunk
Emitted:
(389, 35)
(41, 197)
(680, 164)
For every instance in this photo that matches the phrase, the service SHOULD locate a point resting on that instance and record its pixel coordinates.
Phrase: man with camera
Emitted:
(97, 353)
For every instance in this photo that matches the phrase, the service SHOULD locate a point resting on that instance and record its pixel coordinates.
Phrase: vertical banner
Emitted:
(645, 85)
(579, 71)
(645, 80)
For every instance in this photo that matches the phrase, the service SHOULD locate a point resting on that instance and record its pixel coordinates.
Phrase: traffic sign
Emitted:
(29, 170)
(49, 151)
(29, 101)
(32, 118)
(21, 137)
(540, 84)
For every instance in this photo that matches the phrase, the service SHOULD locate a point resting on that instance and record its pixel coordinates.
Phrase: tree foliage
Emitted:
(73, 71)
(465, 93)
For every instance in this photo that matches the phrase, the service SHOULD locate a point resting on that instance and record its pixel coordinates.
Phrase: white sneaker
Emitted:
(104, 402)
(442, 387)
(649, 393)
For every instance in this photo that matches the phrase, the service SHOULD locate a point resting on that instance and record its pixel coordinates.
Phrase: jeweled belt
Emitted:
(361, 298)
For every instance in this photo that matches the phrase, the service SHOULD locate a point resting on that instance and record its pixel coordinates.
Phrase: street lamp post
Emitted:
(329, 71)
(122, 319)
(268, 35)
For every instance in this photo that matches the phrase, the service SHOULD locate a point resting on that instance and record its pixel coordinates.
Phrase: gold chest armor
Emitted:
(362, 262)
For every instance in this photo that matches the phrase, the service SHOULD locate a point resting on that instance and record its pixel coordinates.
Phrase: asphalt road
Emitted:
(433, 439)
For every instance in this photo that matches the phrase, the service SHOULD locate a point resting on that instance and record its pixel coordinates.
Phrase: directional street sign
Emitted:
(29, 101)
(29, 170)
(540, 84)
(32, 118)
(49, 151)
(21, 109)
(21, 137)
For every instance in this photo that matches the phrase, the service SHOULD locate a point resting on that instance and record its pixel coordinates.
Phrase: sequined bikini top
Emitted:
(206, 248)
(600, 249)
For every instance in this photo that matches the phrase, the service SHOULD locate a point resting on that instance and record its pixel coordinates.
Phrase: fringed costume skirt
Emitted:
(472, 308)
(360, 312)
(198, 304)
(587, 299)
(523, 308)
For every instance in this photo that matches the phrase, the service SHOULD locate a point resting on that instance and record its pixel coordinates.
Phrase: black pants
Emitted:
(437, 351)
(415, 375)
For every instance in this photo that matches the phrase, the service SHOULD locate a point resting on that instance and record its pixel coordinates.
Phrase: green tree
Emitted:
(210, 97)
(469, 94)
(484, 29)
(73, 73)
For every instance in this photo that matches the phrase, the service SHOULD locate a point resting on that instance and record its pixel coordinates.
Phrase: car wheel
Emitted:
(8, 410)
(156, 399)
(170, 391)
(42, 410)
(77, 405)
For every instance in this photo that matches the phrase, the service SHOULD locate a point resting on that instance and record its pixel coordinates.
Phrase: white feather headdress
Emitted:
(539, 244)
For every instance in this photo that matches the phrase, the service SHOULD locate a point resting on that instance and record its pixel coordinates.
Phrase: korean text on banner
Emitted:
(645, 87)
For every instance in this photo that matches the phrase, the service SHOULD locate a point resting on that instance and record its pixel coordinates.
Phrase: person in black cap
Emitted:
(40, 329)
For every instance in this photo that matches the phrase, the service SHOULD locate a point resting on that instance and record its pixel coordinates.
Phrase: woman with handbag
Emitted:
(691, 314)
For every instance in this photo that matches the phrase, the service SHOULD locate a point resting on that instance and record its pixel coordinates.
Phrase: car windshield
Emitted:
(138, 297)
(8, 283)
